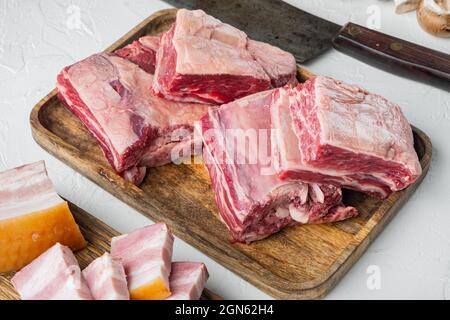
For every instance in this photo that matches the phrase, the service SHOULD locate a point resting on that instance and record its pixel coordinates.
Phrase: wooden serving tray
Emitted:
(297, 263)
(98, 235)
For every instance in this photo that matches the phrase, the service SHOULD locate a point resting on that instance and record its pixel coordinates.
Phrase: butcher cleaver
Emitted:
(307, 36)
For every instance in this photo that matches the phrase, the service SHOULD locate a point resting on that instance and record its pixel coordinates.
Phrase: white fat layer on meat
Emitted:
(147, 276)
(105, 275)
(54, 267)
(187, 280)
(205, 45)
(94, 124)
(286, 149)
(43, 276)
(41, 203)
(363, 187)
(150, 265)
(363, 123)
(71, 285)
(158, 245)
(108, 270)
(25, 190)
(106, 279)
(144, 245)
(150, 42)
(227, 192)
(85, 78)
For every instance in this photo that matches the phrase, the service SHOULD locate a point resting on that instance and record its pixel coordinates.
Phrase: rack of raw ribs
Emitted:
(278, 152)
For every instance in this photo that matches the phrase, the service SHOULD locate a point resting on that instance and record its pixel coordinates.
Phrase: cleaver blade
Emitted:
(307, 36)
(304, 35)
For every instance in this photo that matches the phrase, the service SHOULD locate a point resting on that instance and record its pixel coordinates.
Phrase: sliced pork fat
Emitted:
(32, 217)
(279, 65)
(106, 279)
(146, 255)
(187, 280)
(54, 275)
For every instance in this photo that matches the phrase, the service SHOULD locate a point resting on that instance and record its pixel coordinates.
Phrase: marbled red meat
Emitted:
(111, 96)
(331, 132)
(141, 52)
(204, 60)
(252, 201)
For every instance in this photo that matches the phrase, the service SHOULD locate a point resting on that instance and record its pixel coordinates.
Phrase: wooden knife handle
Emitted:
(393, 54)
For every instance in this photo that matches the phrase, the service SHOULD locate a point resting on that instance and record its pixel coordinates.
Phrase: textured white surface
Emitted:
(412, 255)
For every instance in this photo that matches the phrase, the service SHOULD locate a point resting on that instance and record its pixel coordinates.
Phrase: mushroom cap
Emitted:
(434, 17)
(403, 6)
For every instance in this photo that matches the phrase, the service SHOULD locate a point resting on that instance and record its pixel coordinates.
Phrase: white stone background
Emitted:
(412, 253)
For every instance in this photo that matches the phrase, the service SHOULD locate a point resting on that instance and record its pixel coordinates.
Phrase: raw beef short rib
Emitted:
(279, 65)
(252, 201)
(111, 96)
(204, 60)
(330, 132)
(141, 52)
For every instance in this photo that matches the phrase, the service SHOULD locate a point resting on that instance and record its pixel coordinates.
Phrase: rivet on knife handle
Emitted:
(395, 55)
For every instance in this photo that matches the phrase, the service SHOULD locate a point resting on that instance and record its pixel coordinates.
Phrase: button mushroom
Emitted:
(403, 6)
(434, 17)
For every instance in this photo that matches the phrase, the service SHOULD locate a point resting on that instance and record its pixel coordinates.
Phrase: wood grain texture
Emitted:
(301, 262)
(395, 55)
(98, 235)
